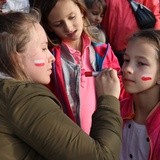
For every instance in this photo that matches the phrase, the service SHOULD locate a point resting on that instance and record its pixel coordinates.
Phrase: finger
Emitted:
(106, 71)
(113, 73)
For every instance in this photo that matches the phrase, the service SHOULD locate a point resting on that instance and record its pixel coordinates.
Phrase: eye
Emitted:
(44, 49)
(57, 25)
(95, 13)
(72, 17)
(126, 60)
(141, 63)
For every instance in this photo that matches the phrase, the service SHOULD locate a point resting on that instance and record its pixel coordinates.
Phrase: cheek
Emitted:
(146, 78)
(90, 16)
(59, 32)
(39, 62)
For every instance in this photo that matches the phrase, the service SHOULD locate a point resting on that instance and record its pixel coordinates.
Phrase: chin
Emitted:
(130, 91)
(45, 82)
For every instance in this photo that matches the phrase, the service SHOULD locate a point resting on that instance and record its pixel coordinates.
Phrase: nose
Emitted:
(127, 68)
(51, 58)
(68, 26)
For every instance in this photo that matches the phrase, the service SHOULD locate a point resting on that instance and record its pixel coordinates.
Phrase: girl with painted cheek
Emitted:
(76, 51)
(141, 112)
(37, 62)
(33, 125)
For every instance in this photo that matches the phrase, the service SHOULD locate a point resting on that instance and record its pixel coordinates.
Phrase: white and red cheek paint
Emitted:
(146, 78)
(39, 62)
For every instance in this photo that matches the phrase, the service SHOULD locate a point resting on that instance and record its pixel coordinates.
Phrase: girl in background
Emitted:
(141, 112)
(76, 51)
(95, 13)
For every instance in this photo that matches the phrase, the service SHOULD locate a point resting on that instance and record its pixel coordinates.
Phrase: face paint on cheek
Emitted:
(39, 63)
(146, 78)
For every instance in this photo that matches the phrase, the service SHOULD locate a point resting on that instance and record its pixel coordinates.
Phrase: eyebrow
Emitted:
(52, 22)
(137, 57)
(45, 43)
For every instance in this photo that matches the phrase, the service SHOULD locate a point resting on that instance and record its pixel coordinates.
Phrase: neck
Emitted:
(145, 102)
(77, 45)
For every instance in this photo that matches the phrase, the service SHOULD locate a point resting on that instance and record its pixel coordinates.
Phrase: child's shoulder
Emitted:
(126, 101)
(126, 107)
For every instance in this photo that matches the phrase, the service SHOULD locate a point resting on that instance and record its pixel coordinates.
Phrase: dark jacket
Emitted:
(34, 127)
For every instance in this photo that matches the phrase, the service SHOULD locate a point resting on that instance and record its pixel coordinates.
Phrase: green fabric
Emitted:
(34, 127)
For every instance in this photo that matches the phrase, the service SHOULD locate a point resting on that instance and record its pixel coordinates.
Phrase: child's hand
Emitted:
(107, 83)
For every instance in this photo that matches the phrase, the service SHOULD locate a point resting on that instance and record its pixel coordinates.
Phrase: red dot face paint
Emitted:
(146, 78)
(39, 63)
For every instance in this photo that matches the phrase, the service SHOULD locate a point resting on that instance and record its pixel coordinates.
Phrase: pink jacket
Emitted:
(104, 58)
(119, 21)
(152, 125)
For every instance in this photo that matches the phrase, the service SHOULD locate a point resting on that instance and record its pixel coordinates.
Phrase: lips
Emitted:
(71, 34)
(50, 71)
(127, 80)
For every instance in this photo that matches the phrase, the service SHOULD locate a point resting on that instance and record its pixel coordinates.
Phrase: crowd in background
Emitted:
(99, 37)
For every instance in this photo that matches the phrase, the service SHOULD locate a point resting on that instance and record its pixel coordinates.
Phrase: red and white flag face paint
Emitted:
(146, 78)
(39, 62)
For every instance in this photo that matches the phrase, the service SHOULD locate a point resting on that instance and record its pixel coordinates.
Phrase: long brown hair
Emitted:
(45, 7)
(14, 35)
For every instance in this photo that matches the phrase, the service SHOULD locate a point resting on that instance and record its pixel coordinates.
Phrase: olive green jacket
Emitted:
(34, 127)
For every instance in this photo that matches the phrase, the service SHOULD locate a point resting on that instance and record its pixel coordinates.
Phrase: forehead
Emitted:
(97, 6)
(37, 32)
(63, 8)
(142, 48)
(37, 39)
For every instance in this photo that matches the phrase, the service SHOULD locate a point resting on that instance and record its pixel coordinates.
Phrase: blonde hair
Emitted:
(14, 35)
